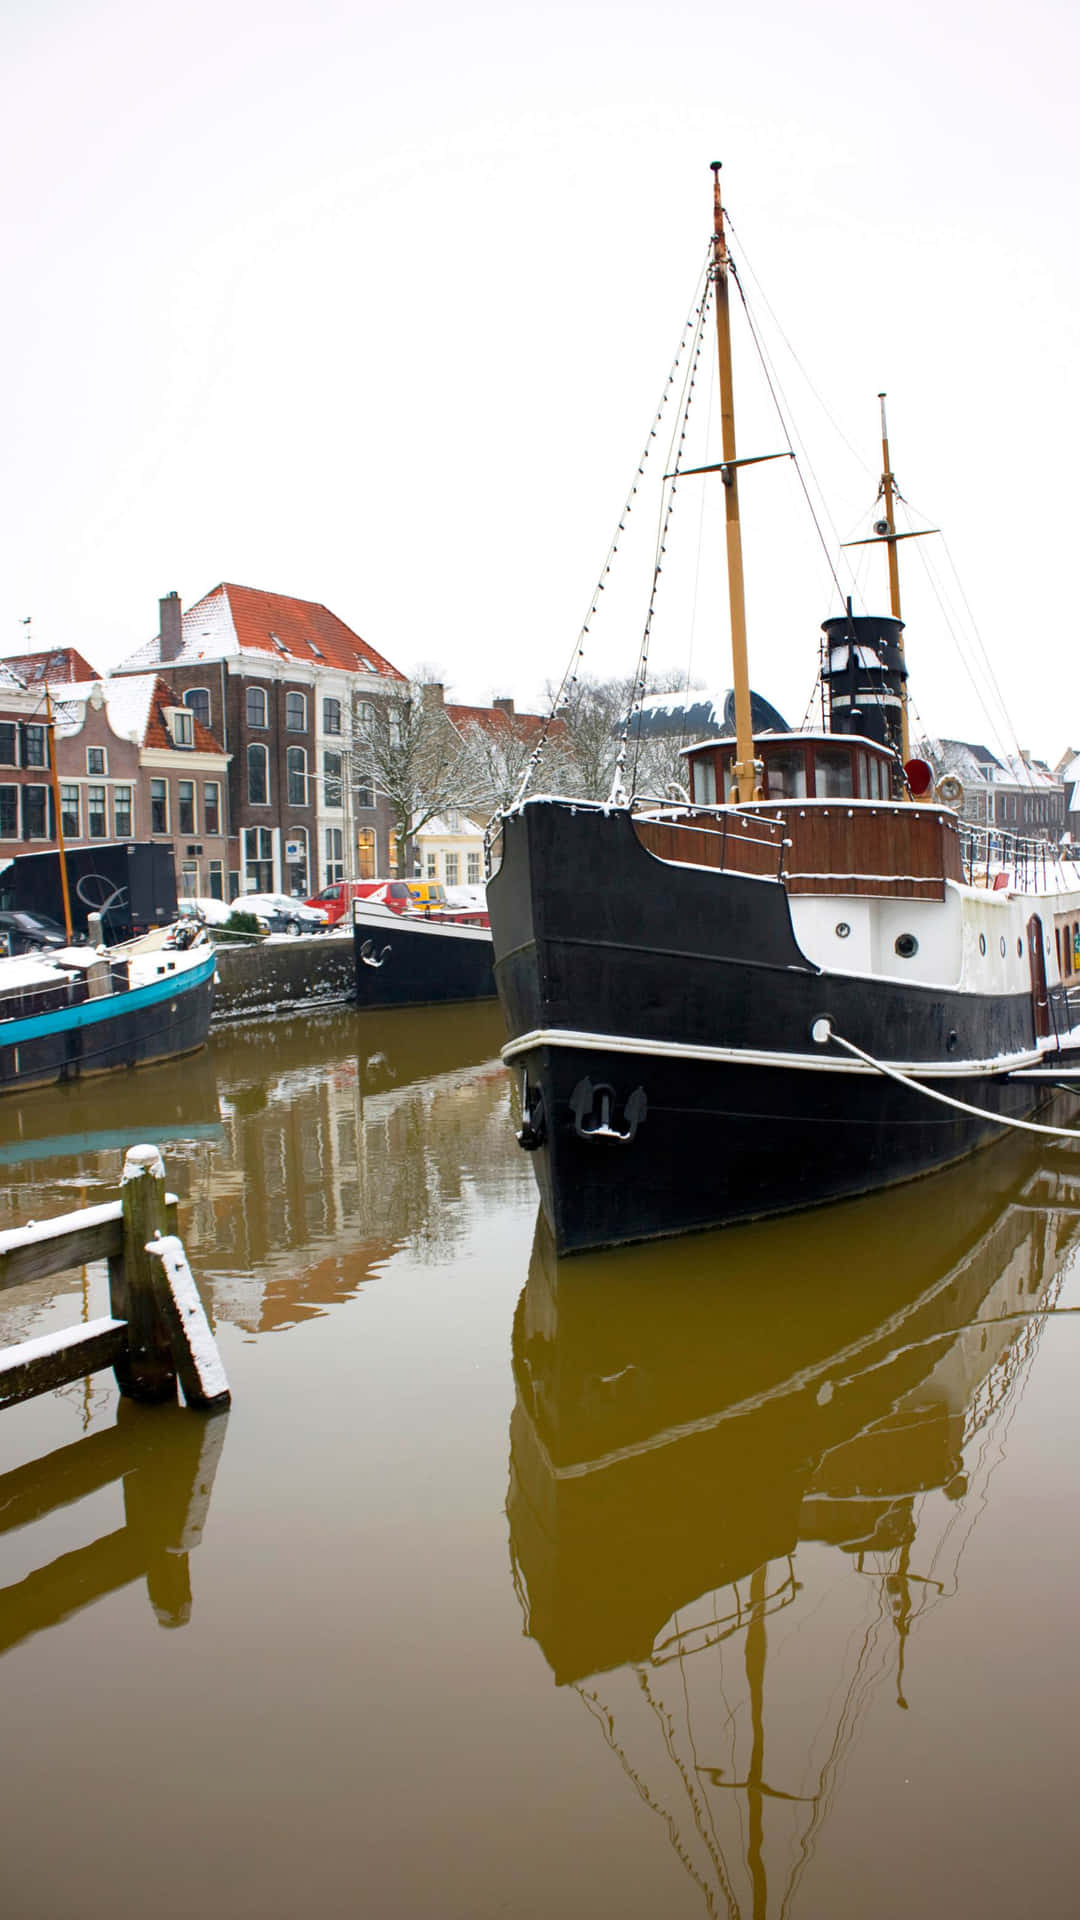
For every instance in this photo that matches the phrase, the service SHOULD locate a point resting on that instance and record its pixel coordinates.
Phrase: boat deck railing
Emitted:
(994, 858)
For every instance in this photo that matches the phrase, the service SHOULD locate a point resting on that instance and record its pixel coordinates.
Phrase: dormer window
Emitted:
(96, 761)
(181, 725)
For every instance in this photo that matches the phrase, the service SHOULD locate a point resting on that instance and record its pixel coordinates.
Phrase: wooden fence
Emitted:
(157, 1332)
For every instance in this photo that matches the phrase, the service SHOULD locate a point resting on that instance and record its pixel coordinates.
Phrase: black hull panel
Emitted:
(399, 964)
(723, 1143)
(729, 1109)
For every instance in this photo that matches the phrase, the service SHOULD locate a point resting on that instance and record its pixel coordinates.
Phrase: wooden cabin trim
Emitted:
(891, 852)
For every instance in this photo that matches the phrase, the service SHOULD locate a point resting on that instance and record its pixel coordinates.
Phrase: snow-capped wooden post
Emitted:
(147, 1371)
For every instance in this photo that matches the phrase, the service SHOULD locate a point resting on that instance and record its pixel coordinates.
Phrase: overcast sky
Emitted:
(371, 304)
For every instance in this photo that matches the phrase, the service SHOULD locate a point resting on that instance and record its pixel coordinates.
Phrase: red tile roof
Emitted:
(157, 733)
(303, 628)
(58, 665)
(494, 720)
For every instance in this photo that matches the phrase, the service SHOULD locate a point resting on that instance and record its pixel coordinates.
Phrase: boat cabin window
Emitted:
(833, 773)
(797, 769)
(703, 782)
(785, 773)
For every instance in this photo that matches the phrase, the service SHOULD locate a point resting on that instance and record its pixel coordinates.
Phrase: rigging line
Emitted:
(795, 438)
(1010, 724)
(667, 508)
(569, 679)
(994, 724)
(833, 422)
(852, 1708)
(695, 1797)
(786, 431)
(1004, 729)
(606, 1722)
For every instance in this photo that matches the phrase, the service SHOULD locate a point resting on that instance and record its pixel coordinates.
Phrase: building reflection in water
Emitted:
(744, 1467)
(303, 1151)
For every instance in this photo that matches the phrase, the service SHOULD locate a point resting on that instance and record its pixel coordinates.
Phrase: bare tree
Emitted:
(409, 751)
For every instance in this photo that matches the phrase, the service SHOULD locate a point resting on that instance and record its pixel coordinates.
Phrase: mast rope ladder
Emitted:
(568, 683)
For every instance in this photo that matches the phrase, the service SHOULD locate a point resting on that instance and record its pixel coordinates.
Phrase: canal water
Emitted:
(738, 1576)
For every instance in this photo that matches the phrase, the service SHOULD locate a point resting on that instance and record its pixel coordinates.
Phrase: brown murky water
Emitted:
(738, 1576)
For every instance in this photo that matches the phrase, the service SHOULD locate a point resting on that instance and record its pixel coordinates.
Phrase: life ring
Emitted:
(950, 790)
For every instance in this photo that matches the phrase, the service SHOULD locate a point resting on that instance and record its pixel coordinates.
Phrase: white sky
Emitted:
(371, 304)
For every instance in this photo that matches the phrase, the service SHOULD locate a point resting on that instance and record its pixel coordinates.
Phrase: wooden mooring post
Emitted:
(157, 1328)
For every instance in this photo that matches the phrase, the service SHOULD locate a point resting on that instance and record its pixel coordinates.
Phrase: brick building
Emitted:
(276, 680)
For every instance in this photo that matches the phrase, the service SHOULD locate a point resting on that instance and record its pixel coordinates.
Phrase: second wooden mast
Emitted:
(747, 779)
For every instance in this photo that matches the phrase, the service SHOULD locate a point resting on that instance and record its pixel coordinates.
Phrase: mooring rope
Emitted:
(823, 1031)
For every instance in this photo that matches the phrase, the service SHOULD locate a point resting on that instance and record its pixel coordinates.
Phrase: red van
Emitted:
(336, 899)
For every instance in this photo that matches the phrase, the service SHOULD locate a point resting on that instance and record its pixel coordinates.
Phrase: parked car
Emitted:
(279, 913)
(24, 932)
(336, 899)
(212, 913)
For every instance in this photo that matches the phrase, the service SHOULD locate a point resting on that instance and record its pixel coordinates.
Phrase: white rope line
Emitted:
(823, 1031)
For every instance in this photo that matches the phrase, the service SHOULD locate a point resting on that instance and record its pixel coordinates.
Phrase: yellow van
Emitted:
(425, 894)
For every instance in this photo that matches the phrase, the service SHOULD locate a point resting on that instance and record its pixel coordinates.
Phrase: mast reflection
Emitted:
(731, 1501)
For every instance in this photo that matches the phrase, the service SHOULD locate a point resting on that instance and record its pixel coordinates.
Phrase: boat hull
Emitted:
(661, 1026)
(162, 1020)
(404, 962)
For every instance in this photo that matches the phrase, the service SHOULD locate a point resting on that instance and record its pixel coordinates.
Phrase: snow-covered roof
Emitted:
(133, 708)
(233, 621)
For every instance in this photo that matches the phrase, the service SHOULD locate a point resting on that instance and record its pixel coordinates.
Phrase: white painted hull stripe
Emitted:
(752, 1057)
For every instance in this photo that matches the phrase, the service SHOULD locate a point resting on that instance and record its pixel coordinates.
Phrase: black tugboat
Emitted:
(809, 981)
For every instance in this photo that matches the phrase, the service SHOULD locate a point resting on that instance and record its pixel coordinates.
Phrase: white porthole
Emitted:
(842, 930)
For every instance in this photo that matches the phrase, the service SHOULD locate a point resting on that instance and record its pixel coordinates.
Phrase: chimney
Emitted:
(434, 693)
(504, 705)
(172, 626)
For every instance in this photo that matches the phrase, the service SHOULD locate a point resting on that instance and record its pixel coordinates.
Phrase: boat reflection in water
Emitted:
(739, 1476)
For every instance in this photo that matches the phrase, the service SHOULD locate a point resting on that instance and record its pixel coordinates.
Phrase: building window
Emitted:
(332, 779)
(35, 810)
(122, 812)
(198, 700)
(365, 854)
(296, 863)
(258, 775)
(256, 706)
(335, 856)
(185, 807)
(217, 880)
(34, 754)
(189, 879)
(96, 764)
(452, 863)
(394, 850)
(365, 716)
(96, 824)
(70, 816)
(295, 713)
(181, 727)
(211, 806)
(7, 743)
(296, 765)
(393, 725)
(9, 813)
(331, 716)
(365, 789)
(159, 806)
(258, 860)
(431, 867)
(472, 869)
(453, 820)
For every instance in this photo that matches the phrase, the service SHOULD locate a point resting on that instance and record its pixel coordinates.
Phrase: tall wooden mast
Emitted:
(888, 487)
(747, 773)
